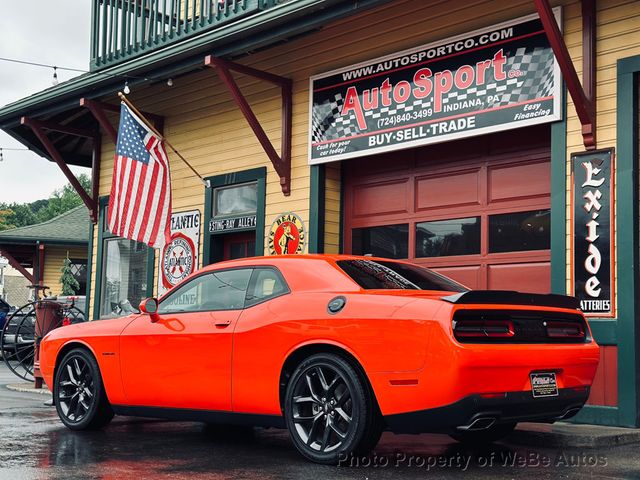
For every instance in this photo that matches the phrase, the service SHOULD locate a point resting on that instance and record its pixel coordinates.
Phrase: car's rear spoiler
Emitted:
(508, 297)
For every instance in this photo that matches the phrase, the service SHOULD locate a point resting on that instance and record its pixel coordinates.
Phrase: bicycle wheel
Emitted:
(17, 342)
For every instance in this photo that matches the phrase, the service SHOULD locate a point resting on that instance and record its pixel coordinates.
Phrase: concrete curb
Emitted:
(28, 388)
(571, 435)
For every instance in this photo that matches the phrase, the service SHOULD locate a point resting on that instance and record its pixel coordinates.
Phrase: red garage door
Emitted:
(477, 211)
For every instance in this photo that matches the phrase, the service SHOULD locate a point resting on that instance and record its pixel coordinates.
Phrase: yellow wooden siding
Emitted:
(53, 261)
(618, 23)
(332, 208)
(203, 122)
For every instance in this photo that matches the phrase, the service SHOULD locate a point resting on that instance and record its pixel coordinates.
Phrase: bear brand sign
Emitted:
(493, 79)
(593, 231)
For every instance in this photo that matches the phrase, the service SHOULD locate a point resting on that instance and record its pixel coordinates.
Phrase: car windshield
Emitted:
(383, 275)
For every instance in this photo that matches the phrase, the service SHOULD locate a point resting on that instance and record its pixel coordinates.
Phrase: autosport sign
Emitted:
(489, 80)
(593, 231)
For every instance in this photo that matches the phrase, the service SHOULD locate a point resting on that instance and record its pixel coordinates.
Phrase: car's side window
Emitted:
(223, 290)
(265, 283)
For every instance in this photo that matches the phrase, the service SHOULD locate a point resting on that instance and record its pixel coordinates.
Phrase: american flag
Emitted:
(140, 201)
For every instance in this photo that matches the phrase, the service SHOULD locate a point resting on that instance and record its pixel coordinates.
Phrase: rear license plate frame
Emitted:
(543, 384)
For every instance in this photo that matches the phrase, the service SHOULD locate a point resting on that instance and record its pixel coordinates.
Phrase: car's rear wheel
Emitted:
(78, 392)
(489, 435)
(329, 410)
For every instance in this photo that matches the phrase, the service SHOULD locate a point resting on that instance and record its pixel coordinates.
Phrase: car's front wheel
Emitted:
(329, 410)
(78, 392)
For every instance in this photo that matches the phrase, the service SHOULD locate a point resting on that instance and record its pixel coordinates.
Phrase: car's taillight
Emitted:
(564, 329)
(483, 328)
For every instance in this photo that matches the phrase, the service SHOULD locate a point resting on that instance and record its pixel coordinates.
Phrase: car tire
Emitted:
(329, 410)
(78, 392)
(489, 435)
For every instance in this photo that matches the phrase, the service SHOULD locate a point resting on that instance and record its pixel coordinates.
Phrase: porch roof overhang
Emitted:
(269, 27)
(66, 104)
(22, 246)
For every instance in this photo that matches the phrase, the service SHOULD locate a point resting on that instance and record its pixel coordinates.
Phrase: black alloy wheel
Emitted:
(488, 435)
(78, 392)
(329, 410)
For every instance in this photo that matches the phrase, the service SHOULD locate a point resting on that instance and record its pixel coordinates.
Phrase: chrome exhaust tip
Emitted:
(569, 413)
(480, 423)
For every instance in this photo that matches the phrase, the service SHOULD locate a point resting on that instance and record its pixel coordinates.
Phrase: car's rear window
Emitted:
(381, 275)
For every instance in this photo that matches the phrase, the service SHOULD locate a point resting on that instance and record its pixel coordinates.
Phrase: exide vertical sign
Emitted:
(494, 79)
(593, 231)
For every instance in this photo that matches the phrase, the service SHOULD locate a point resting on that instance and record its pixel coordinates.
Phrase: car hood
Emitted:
(106, 327)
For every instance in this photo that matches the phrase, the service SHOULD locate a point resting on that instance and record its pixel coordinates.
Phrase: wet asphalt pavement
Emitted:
(35, 445)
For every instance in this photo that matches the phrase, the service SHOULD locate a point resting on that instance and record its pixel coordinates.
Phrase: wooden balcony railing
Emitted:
(123, 29)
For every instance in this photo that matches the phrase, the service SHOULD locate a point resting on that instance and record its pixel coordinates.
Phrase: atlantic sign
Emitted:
(593, 232)
(179, 258)
(494, 79)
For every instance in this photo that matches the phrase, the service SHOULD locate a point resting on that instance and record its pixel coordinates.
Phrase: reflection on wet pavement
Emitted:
(35, 445)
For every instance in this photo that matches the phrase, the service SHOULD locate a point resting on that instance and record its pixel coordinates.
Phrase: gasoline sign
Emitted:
(494, 79)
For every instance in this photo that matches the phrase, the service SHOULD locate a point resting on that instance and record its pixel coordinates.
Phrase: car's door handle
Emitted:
(221, 320)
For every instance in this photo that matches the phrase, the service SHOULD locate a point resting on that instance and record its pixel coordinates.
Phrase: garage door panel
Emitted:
(468, 275)
(438, 191)
(512, 182)
(381, 198)
(434, 191)
(525, 277)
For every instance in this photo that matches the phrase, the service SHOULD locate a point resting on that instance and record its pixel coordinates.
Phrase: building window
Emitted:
(124, 277)
(124, 273)
(521, 231)
(441, 238)
(235, 200)
(388, 241)
(234, 214)
(79, 271)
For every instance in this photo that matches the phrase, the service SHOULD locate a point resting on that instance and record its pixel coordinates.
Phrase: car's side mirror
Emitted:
(150, 307)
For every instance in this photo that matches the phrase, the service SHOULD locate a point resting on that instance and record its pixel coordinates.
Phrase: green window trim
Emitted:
(258, 175)
(627, 125)
(87, 302)
(559, 202)
(317, 209)
(104, 234)
(622, 331)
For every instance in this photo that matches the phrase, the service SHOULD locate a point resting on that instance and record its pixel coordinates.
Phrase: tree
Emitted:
(14, 215)
(63, 200)
(70, 285)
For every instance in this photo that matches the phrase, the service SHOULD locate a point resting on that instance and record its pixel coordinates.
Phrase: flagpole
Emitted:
(153, 129)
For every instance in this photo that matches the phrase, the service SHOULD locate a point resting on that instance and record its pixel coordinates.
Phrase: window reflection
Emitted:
(235, 200)
(389, 241)
(460, 236)
(515, 232)
(124, 277)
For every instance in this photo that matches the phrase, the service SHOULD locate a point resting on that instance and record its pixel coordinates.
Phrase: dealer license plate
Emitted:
(544, 384)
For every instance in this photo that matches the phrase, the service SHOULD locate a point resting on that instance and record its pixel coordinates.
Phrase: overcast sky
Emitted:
(52, 32)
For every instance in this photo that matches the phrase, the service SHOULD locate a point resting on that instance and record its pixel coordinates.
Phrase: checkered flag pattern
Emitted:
(537, 65)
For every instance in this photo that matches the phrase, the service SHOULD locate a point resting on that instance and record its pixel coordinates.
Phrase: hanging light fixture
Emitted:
(54, 81)
(126, 89)
(170, 82)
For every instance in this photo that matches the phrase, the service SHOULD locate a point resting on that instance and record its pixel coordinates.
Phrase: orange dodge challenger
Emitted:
(334, 348)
